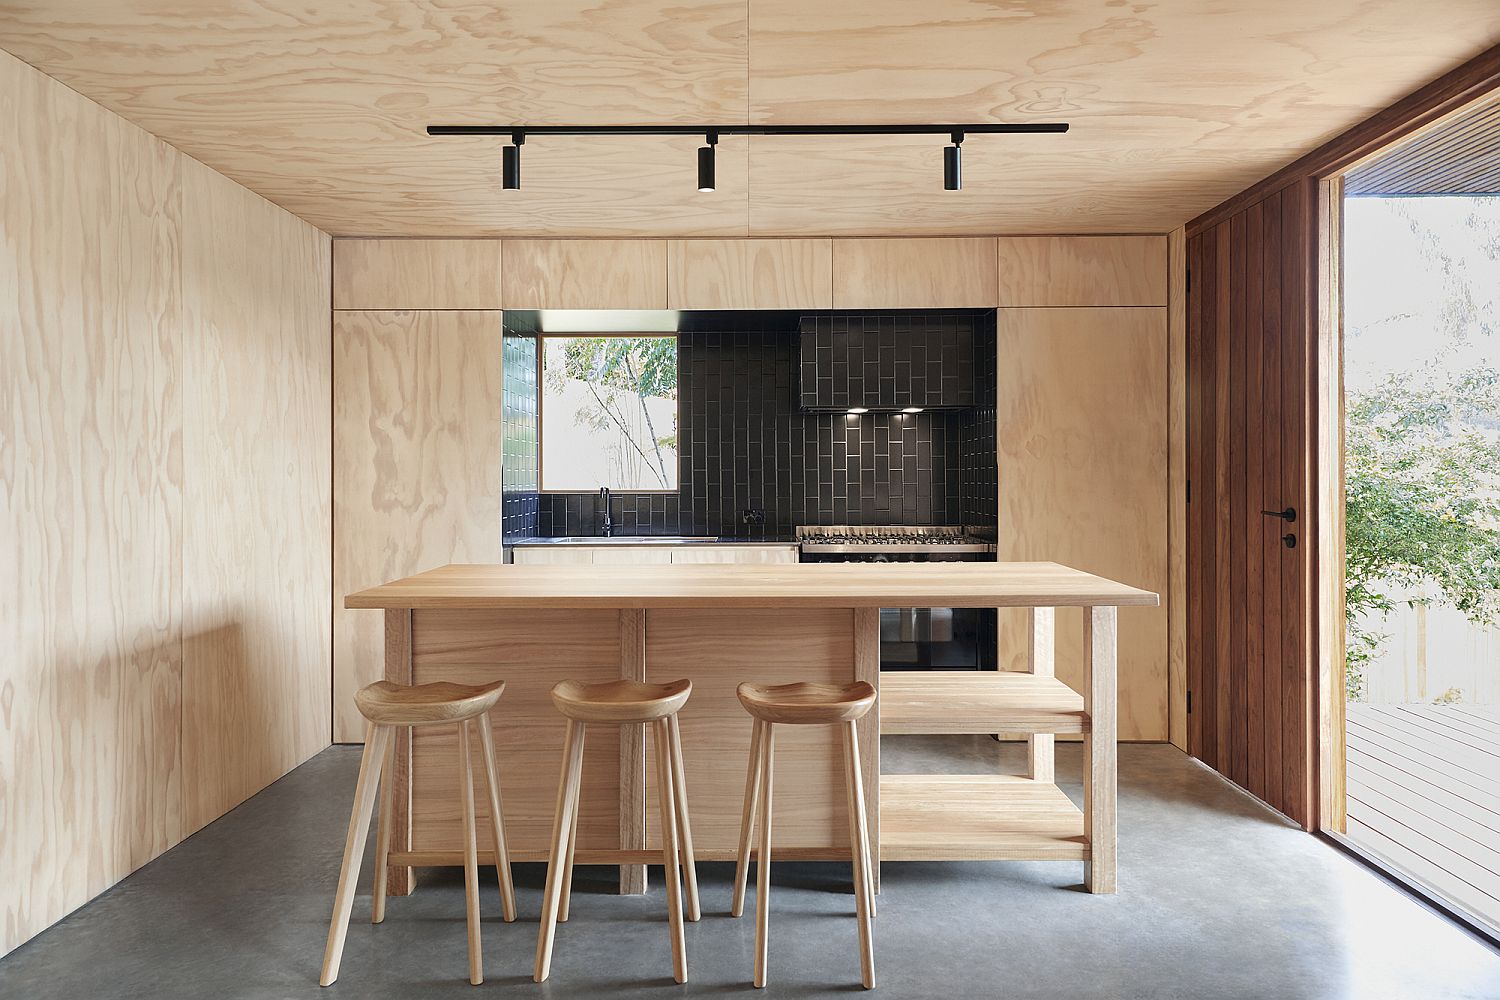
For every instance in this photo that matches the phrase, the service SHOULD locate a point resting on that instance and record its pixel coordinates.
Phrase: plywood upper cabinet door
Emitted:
(416, 466)
(750, 274)
(416, 274)
(585, 274)
(937, 273)
(1082, 420)
(1083, 270)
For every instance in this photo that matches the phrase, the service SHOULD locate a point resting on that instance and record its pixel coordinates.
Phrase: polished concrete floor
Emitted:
(1219, 897)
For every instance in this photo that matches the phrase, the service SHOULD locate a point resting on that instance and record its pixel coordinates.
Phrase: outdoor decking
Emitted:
(1424, 795)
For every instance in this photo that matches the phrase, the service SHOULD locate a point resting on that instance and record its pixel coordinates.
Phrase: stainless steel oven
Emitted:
(915, 638)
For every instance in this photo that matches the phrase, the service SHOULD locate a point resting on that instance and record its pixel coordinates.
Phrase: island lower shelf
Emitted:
(977, 817)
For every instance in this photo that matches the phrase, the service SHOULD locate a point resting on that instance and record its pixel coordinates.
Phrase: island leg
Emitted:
(632, 754)
(1100, 770)
(867, 668)
(1040, 746)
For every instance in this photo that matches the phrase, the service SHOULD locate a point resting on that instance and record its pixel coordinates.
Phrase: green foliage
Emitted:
(622, 373)
(1422, 508)
(641, 366)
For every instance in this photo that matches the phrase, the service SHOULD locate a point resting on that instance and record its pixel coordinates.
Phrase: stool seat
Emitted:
(807, 703)
(390, 704)
(620, 701)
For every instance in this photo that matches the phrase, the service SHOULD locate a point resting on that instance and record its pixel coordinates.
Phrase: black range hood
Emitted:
(886, 363)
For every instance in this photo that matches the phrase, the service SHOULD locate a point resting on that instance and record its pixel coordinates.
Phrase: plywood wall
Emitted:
(257, 485)
(417, 466)
(91, 496)
(102, 501)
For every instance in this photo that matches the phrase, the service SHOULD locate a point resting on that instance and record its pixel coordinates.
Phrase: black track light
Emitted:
(952, 155)
(510, 163)
(953, 175)
(706, 162)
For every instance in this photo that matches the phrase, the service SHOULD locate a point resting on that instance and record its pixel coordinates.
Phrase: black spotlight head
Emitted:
(953, 179)
(510, 163)
(706, 164)
(511, 168)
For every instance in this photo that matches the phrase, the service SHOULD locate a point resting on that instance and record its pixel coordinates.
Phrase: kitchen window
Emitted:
(609, 412)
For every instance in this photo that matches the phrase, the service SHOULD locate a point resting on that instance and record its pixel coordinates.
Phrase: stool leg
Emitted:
(471, 854)
(497, 820)
(576, 797)
(763, 861)
(376, 738)
(859, 848)
(747, 820)
(566, 789)
(684, 828)
(663, 732)
(383, 832)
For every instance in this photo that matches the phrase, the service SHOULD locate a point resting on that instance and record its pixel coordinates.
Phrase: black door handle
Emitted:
(1289, 540)
(1288, 515)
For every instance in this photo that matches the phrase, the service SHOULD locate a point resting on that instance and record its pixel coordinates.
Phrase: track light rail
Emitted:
(952, 155)
(985, 129)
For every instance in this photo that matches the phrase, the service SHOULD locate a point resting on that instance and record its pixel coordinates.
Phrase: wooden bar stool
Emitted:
(387, 706)
(803, 705)
(621, 703)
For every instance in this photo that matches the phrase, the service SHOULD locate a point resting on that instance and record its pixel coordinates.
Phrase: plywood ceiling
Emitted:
(320, 107)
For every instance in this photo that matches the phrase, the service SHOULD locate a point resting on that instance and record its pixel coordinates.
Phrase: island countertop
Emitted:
(826, 585)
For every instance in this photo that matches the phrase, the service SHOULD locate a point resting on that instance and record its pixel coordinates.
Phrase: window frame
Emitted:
(541, 396)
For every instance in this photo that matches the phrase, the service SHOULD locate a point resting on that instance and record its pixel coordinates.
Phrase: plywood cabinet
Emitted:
(750, 274)
(937, 273)
(416, 466)
(416, 274)
(1082, 271)
(585, 274)
(735, 554)
(1082, 418)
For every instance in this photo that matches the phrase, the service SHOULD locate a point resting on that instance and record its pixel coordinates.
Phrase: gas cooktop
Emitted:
(893, 538)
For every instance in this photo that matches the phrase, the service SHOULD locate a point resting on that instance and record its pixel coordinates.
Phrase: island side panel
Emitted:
(399, 878)
(531, 650)
(717, 649)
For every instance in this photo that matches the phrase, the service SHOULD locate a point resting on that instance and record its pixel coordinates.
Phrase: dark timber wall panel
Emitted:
(1249, 339)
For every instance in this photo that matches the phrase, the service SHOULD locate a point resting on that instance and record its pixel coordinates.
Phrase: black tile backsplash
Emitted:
(978, 465)
(753, 464)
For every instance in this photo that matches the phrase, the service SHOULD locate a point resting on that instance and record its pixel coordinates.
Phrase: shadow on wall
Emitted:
(232, 720)
(90, 779)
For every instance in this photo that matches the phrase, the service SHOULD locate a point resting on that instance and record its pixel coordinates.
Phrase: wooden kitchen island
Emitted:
(718, 625)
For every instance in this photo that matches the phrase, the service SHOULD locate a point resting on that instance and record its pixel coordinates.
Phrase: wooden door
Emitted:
(1250, 624)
